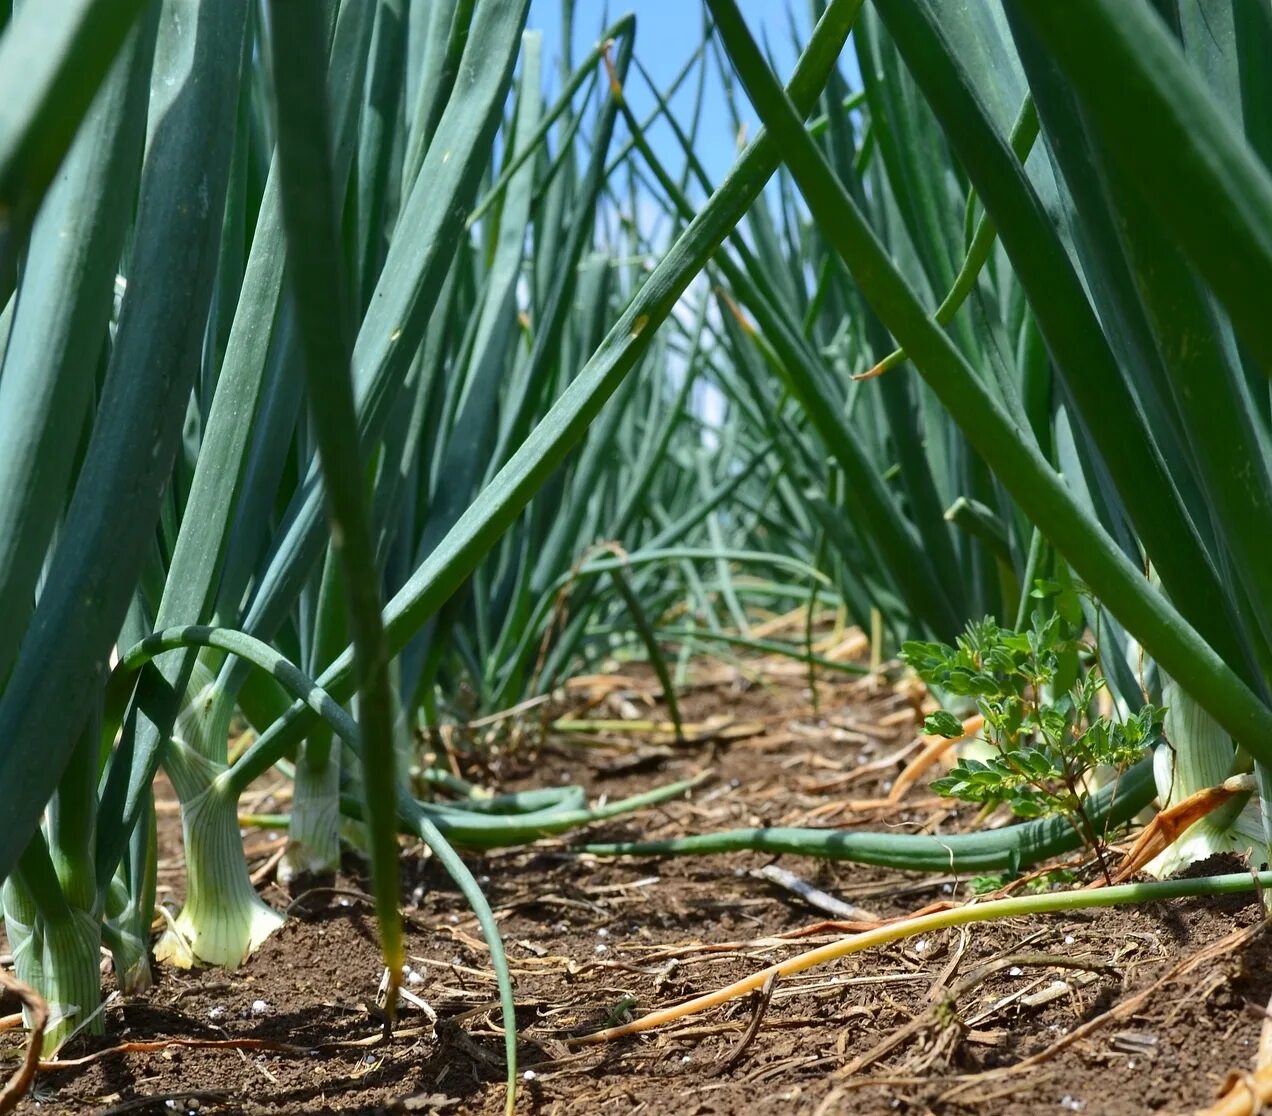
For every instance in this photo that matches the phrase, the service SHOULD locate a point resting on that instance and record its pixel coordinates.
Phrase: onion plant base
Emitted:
(62, 960)
(223, 920)
(313, 837)
(130, 956)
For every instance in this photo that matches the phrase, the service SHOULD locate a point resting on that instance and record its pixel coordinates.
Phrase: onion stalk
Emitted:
(1198, 753)
(223, 920)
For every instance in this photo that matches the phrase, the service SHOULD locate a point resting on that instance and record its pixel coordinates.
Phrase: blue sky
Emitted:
(667, 34)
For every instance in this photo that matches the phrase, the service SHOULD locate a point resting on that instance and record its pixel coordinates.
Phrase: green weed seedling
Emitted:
(1037, 691)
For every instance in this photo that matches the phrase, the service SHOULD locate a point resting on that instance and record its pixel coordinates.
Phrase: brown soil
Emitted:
(586, 937)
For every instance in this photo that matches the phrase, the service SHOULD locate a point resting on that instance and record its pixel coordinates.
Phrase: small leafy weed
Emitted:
(1037, 691)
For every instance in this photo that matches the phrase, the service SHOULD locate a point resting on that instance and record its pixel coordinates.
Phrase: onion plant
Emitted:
(1086, 396)
(330, 256)
(1075, 372)
(342, 394)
